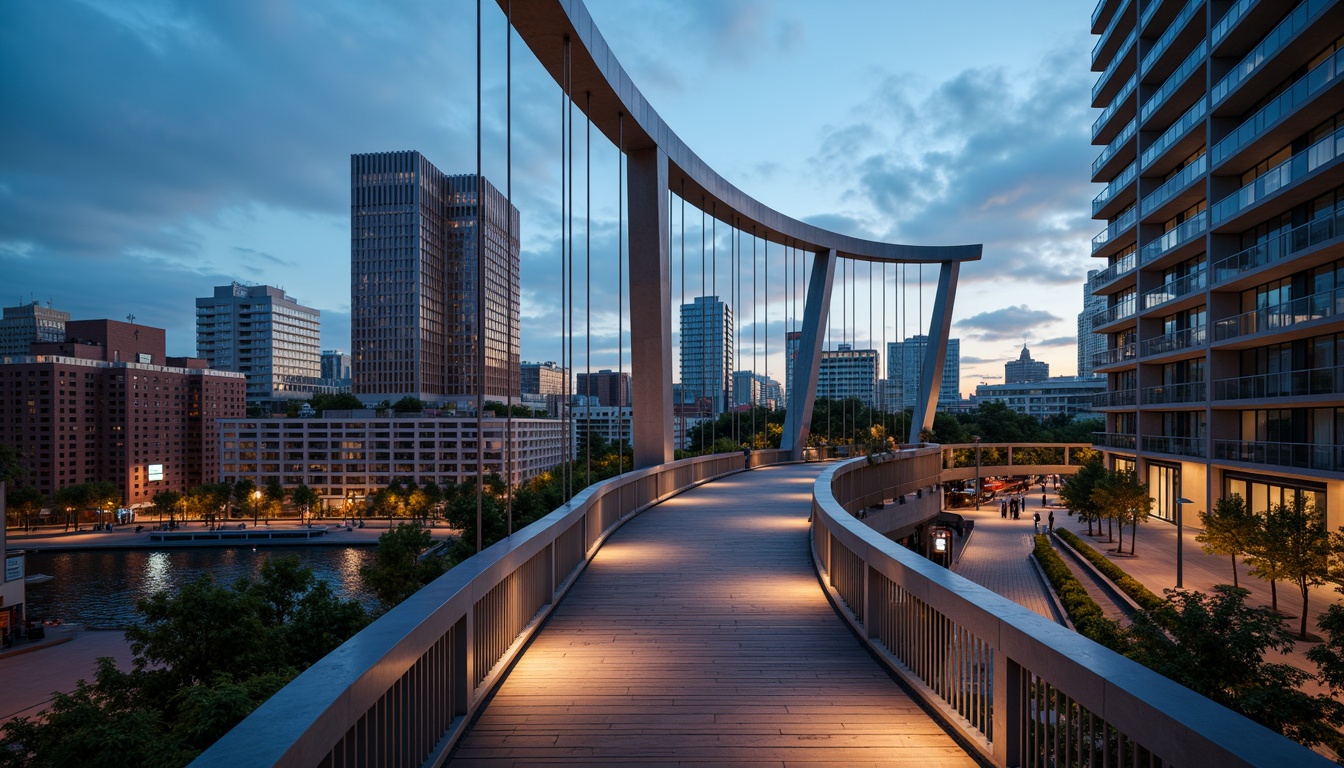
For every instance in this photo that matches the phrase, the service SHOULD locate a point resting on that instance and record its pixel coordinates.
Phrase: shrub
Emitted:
(1127, 584)
(1083, 611)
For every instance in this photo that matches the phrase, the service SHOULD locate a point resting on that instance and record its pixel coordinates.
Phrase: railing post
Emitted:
(1007, 719)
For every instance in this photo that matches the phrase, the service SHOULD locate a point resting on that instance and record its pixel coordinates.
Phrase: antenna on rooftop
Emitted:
(130, 319)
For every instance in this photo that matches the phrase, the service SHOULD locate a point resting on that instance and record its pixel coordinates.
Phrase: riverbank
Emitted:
(126, 537)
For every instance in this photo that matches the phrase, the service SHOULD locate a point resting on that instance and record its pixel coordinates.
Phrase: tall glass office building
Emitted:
(1220, 137)
(707, 355)
(264, 334)
(415, 284)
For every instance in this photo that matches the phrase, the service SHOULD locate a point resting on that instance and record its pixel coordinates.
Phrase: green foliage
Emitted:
(1328, 656)
(1127, 584)
(204, 658)
(1077, 491)
(304, 498)
(22, 503)
(398, 571)
(1122, 498)
(1297, 532)
(408, 404)
(342, 402)
(166, 503)
(1229, 529)
(12, 469)
(1083, 611)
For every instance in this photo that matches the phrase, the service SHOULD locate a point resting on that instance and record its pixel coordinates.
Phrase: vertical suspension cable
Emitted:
(620, 295)
(513, 368)
(721, 319)
(765, 334)
(735, 289)
(566, 265)
(588, 289)
(755, 369)
(682, 346)
(704, 331)
(480, 298)
(872, 402)
(885, 361)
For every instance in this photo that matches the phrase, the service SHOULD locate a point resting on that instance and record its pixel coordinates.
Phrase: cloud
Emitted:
(1007, 323)
(1058, 341)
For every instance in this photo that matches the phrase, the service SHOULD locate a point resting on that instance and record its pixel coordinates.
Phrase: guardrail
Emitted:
(1015, 687)
(402, 691)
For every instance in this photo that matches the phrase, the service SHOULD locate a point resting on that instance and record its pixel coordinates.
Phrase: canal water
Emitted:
(99, 588)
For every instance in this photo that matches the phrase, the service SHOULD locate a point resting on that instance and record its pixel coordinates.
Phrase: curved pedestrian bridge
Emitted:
(700, 633)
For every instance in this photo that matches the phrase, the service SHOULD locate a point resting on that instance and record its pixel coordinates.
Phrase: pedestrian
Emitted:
(1052, 521)
(1042, 498)
(1036, 523)
(1003, 509)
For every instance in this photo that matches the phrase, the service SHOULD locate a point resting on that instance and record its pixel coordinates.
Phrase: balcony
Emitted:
(1281, 176)
(1175, 184)
(1192, 227)
(1114, 147)
(1230, 19)
(1272, 43)
(1304, 90)
(1164, 42)
(1188, 338)
(1305, 383)
(1117, 184)
(1172, 135)
(1120, 100)
(1098, 49)
(1115, 440)
(1111, 273)
(1118, 398)
(1188, 392)
(1115, 229)
(1114, 313)
(1178, 446)
(1115, 356)
(1329, 458)
(1121, 57)
(1281, 317)
(1174, 82)
(1284, 246)
(1184, 286)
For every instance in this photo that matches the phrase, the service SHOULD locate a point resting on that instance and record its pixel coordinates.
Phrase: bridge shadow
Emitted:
(699, 634)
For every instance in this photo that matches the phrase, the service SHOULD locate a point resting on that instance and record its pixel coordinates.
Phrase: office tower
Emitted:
(1060, 396)
(1089, 343)
(146, 421)
(267, 336)
(905, 363)
(707, 354)
(792, 341)
(1025, 370)
(1219, 139)
(609, 387)
(335, 364)
(847, 372)
(414, 272)
(29, 324)
(746, 389)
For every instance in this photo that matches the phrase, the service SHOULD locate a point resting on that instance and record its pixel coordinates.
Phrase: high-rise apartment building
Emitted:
(416, 281)
(707, 354)
(1221, 135)
(28, 324)
(1025, 370)
(905, 364)
(792, 341)
(1089, 344)
(847, 372)
(335, 365)
(611, 389)
(751, 388)
(267, 336)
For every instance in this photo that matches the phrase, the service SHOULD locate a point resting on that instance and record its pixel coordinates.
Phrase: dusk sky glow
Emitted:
(152, 149)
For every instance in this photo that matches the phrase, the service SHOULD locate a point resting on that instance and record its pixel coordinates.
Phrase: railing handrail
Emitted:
(1260, 254)
(1281, 176)
(1181, 286)
(1279, 316)
(310, 717)
(874, 577)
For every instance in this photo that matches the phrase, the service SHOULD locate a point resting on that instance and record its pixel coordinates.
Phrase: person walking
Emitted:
(1003, 508)
(1052, 521)
(1036, 523)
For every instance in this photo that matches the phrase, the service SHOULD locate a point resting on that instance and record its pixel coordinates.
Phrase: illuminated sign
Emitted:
(155, 472)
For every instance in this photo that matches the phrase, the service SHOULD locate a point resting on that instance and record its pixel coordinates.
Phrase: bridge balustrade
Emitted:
(401, 691)
(1016, 688)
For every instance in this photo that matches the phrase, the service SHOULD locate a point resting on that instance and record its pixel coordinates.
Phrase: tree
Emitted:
(342, 402)
(72, 499)
(24, 502)
(244, 494)
(398, 571)
(408, 404)
(1264, 557)
(304, 498)
(1229, 529)
(1077, 491)
(165, 503)
(103, 496)
(1123, 498)
(1298, 531)
(274, 496)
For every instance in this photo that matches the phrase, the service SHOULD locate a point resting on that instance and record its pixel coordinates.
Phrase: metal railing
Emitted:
(1118, 183)
(1118, 440)
(1290, 171)
(1116, 103)
(1186, 338)
(1116, 18)
(1122, 223)
(1020, 689)
(1187, 392)
(1119, 141)
(1175, 133)
(1118, 311)
(1312, 381)
(1297, 455)
(1275, 41)
(1116, 61)
(1115, 399)
(1175, 184)
(1280, 247)
(1191, 227)
(1116, 270)
(1279, 317)
(1182, 286)
(1230, 19)
(1173, 29)
(1116, 355)
(1177, 446)
(401, 691)
(1298, 93)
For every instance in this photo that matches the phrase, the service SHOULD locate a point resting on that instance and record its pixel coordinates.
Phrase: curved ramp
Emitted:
(700, 635)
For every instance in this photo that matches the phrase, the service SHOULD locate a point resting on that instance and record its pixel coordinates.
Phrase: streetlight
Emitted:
(1180, 538)
(256, 507)
(976, 439)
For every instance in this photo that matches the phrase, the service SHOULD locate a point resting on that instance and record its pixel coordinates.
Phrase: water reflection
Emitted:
(99, 588)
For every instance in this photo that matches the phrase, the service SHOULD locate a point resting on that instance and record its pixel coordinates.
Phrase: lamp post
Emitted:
(1180, 538)
(256, 507)
(976, 439)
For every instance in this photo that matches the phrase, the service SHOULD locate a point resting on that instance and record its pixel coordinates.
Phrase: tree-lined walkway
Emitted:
(699, 635)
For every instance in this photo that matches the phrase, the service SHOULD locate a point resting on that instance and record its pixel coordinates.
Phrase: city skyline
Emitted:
(184, 191)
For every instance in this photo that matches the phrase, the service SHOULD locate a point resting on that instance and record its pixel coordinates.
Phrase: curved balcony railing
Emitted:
(1191, 283)
(451, 641)
(1301, 92)
(1116, 61)
(1188, 392)
(1192, 227)
(1175, 184)
(1280, 317)
(1230, 19)
(1164, 42)
(1115, 399)
(1304, 383)
(1271, 44)
(1178, 446)
(1122, 224)
(1176, 80)
(1113, 188)
(1175, 133)
(1292, 170)
(1329, 458)
(1119, 101)
(1119, 141)
(1016, 687)
(1115, 356)
(1176, 341)
(1118, 311)
(1280, 247)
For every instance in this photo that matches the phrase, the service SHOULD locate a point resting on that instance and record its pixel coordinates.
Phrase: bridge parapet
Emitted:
(959, 460)
(1020, 690)
(401, 691)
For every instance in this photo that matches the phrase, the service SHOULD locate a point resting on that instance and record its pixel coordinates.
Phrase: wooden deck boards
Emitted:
(699, 636)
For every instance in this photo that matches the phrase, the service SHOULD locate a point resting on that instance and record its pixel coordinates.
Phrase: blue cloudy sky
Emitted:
(152, 149)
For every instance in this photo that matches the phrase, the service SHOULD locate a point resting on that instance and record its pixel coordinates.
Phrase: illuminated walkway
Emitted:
(699, 634)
